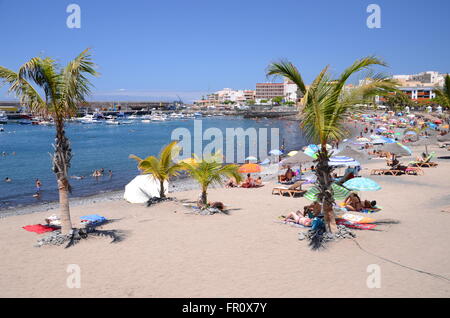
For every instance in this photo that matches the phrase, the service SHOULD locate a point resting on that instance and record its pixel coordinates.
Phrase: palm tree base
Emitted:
(57, 238)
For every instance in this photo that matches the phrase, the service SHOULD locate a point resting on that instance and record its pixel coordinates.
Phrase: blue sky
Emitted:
(158, 49)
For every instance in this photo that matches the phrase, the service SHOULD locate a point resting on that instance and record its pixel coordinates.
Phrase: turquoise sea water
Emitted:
(97, 146)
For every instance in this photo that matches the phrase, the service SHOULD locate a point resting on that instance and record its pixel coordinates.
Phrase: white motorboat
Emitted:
(158, 118)
(112, 122)
(3, 117)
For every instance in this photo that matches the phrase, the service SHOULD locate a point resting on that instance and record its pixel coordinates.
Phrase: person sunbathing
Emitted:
(298, 218)
(305, 218)
(231, 183)
(249, 182)
(422, 158)
(354, 203)
(258, 182)
(288, 176)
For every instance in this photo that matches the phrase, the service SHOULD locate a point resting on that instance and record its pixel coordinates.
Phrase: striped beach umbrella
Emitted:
(362, 184)
(342, 161)
(339, 193)
(276, 152)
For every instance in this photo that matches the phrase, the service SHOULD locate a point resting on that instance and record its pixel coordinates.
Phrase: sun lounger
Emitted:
(426, 163)
(383, 172)
(292, 190)
(415, 171)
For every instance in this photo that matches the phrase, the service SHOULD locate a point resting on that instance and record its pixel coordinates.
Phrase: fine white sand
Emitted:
(170, 253)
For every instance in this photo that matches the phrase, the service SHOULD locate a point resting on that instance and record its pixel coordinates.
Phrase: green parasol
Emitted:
(340, 193)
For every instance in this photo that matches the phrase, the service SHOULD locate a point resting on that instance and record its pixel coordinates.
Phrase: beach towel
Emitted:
(292, 224)
(39, 228)
(356, 218)
(92, 219)
(372, 210)
(352, 225)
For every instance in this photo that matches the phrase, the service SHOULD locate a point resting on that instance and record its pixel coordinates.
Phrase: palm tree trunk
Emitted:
(61, 164)
(161, 189)
(325, 196)
(204, 197)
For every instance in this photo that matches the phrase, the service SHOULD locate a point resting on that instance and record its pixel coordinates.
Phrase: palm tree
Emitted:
(325, 106)
(398, 100)
(63, 89)
(209, 172)
(443, 95)
(162, 167)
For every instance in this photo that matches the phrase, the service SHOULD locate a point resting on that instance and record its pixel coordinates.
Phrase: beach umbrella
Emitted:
(363, 139)
(299, 159)
(249, 168)
(423, 142)
(311, 153)
(397, 149)
(265, 162)
(342, 161)
(443, 138)
(292, 153)
(313, 147)
(276, 152)
(362, 184)
(352, 153)
(251, 158)
(339, 193)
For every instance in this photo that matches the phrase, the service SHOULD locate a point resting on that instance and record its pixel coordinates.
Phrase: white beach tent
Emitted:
(142, 188)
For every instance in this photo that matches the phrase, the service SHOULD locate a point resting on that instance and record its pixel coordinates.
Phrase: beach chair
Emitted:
(292, 190)
(415, 171)
(384, 172)
(426, 163)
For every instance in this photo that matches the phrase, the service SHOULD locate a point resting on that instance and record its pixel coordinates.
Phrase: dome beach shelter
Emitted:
(142, 188)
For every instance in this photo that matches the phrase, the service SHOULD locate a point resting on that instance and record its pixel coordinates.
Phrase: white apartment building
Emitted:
(429, 78)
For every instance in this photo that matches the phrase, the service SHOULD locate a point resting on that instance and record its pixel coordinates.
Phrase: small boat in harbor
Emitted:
(112, 122)
(3, 118)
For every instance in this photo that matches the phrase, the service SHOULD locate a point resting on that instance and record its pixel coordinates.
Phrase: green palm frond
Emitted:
(287, 70)
(76, 85)
(326, 103)
(210, 172)
(63, 89)
(162, 167)
(23, 90)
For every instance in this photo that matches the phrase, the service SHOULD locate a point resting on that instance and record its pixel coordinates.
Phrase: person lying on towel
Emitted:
(354, 203)
(306, 217)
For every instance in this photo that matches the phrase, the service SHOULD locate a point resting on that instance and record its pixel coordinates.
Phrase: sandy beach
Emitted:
(170, 252)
